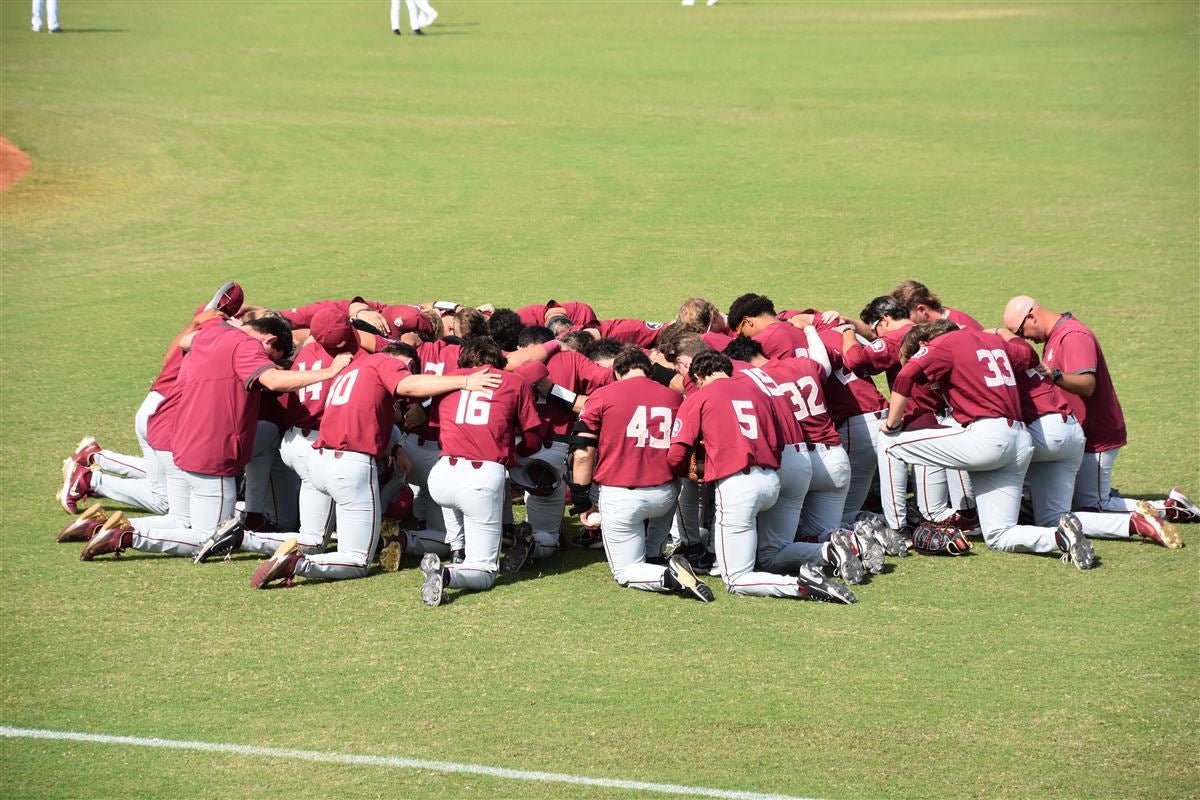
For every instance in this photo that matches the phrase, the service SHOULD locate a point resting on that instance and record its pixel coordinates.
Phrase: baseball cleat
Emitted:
(522, 549)
(1180, 508)
(1076, 548)
(680, 572)
(85, 451)
(815, 586)
(396, 31)
(76, 486)
(1146, 522)
(940, 541)
(869, 552)
(393, 538)
(82, 527)
(872, 526)
(224, 541)
(280, 566)
(112, 537)
(431, 589)
(840, 554)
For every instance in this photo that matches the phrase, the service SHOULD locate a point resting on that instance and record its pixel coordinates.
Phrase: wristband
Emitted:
(1056, 376)
(661, 374)
(563, 396)
(890, 429)
(445, 305)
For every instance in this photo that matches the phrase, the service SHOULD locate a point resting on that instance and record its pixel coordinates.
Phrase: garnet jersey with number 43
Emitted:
(634, 417)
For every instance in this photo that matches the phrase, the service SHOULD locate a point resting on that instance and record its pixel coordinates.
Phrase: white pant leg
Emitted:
(120, 464)
(150, 492)
(860, 439)
(179, 498)
(414, 14)
(212, 501)
(424, 8)
(545, 514)
(685, 525)
(423, 453)
(626, 512)
(658, 529)
(996, 453)
(315, 507)
(1093, 484)
(474, 494)
(825, 503)
(395, 16)
(739, 499)
(777, 525)
(931, 492)
(352, 480)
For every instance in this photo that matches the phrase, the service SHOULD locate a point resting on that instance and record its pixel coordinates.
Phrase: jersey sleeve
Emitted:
(686, 430)
(1077, 353)
(391, 372)
(593, 412)
(527, 416)
(925, 365)
(1021, 354)
(249, 361)
(872, 358)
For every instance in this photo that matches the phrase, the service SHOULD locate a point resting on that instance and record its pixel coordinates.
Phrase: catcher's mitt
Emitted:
(931, 541)
(696, 464)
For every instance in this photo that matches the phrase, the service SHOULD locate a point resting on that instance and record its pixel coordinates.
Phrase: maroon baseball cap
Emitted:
(228, 299)
(423, 324)
(532, 371)
(333, 331)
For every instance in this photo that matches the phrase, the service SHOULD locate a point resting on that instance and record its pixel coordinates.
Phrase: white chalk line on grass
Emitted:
(388, 761)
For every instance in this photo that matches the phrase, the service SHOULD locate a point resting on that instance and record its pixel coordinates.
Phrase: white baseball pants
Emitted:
(51, 14)
(1093, 484)
(352, 481)
(145, 488)
(472, 495)
(996, 453)
(416, 9)
(860, 440)
(778, 550)
(632, 517)
(545, 514)
(825, 504)
(198, 504)
(315, 507)
(740, 498)
(1057, 452)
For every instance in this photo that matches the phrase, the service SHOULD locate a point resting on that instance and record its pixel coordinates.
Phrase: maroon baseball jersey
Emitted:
(634, 331)
(782, 340)
(961, 318)
(802, 382)
(437, 358)
(172, 361)
(217, 401)
(303, 407)
(580, 314)
(634, 417)
(737, 428)
(974, 371)
(360, 404)
(789, 422)
(1073, 348)
(483, 425)
(578, 373)
(883, 355)
(716, 341)
(1039, 396)
(846, 394)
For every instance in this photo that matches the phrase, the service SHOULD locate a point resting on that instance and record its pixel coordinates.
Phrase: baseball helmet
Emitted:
(536, 477)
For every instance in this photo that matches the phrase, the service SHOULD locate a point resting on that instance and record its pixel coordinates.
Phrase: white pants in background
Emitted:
(138, 482)
(860, 439)
(198, 503)
(740, 498)
(416, 10)
(352, 481)
(1093, 484)
(51, 14)
(637, 521)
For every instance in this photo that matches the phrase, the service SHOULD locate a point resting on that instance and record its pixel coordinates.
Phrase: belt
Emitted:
(335, 453)
(802, 446)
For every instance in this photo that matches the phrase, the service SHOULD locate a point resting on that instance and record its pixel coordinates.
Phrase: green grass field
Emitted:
(629, 154)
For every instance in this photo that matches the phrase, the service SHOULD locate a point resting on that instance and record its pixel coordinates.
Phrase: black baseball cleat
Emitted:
(418, 32)
(814, 585)
(396, 31)
(56, 30)
(519, 554)
(680, 577)
(225, 540)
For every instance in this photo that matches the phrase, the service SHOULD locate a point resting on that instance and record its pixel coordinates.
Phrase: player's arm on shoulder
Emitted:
(284, 380)
(433, 385)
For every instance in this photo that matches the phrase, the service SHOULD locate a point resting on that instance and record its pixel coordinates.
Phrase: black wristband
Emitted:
(661, 374)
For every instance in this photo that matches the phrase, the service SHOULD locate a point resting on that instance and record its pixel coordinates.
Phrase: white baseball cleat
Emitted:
(431, 589)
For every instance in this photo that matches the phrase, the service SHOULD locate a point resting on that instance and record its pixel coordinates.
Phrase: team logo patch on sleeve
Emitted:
(878, 345)
(677, 427)
(921, 353)
(654, 325)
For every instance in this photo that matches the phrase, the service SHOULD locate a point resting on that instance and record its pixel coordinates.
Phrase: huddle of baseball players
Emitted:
(750, 444)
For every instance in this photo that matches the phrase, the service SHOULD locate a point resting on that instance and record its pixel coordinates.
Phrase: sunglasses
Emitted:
(1020, 331)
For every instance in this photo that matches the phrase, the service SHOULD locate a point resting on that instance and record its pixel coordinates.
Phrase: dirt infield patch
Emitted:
(14, 163)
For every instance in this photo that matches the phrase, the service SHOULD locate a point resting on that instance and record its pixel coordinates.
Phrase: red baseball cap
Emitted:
(333, 331)
(228, 299)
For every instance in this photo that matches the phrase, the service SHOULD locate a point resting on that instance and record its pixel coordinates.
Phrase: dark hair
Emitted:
(748, 306)
(278, 327)
(709, 363)
(534, 334)
(598, 349)
(408, 351)
(482, 351)
(576, 340)
(920, 334)
(630, 357)
(559, 324)
(743, 348)
(505, 326)
(883, 306)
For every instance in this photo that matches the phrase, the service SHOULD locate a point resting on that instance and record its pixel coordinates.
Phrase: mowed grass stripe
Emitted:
(389, 761)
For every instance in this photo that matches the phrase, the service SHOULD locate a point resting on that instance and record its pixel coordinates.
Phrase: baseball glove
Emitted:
(929, 541)
(696, 464)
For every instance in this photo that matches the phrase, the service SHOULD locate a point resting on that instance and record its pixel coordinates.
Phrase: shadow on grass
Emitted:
(95, 30)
